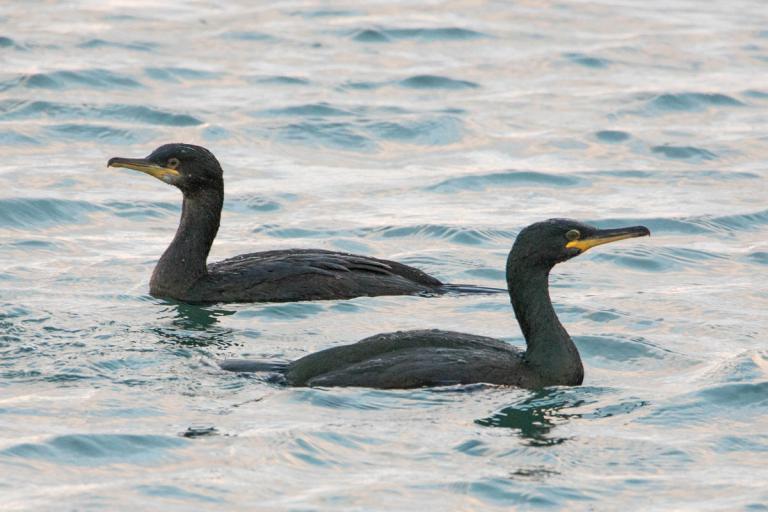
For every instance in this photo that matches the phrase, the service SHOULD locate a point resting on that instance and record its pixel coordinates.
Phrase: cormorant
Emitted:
(433, 358)
(272, 276)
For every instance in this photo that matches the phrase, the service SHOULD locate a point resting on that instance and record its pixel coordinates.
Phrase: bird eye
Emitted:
(573, 235)
(172, 163)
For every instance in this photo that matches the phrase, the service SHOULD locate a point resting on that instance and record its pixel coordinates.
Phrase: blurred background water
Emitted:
(430, 133)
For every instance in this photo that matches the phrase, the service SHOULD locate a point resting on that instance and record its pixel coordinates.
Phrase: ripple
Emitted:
(325, 13)
(760, 257)
(176, 74)
(248, 36)
(92, 132)
(480, 182)
(690, 102)
(696, 224)
(96, 449)
(741, 400)
(658, 259)
(141, 209)
(172, 492)
(323, 134)
(135, 46)
(456, 234)
(24, 109)
(434, 131)
(684, 152)
(87, 78)
(612, 136)
(616, 352)
(748, 366)
(284, 311)
(252, 203)
(436, 82)
(12, 138)
(587, 61)
(535, 416)
(310, 110)
(761, 95)
(38, 213)
(382, 35)
(280, 80)
(689, 175)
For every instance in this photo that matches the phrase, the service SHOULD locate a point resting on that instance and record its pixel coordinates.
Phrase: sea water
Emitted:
(429, 133)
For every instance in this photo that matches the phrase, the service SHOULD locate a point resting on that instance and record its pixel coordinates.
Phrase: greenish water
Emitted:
(427, 133)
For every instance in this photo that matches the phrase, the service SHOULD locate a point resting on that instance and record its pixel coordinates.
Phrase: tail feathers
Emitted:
(461, 289)
(248, 365)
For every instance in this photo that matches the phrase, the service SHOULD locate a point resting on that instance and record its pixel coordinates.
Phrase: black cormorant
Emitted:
(433, 358)
(272, 276)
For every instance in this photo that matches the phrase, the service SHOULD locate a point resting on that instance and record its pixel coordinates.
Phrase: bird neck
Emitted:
(184, 261)
(550, 351)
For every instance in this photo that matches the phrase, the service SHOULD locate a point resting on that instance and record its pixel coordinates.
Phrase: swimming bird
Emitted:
(272, 276)
(422, 358)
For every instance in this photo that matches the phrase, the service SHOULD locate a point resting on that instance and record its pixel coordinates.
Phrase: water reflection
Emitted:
(194, 325)
(536, 416)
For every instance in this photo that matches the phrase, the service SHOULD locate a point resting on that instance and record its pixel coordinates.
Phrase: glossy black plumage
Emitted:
(283, 275)
(432, 357)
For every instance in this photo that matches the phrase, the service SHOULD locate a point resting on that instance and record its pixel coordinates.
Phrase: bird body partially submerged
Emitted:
(283, 275)
(432, 357)
(306, 274)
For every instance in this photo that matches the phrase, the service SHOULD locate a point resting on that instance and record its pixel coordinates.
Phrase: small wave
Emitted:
(284, 311)
(280, 80)
(707, 405)
(92, 132)
(747, 366)
(87, 78)
(478, 182)
(690, 102)
(587, 61)
(176, 75)
(12, 138)
(616, 352)
(684, 152)
(309, 110)
(456, 234)
(248, 36)
(697, 224)
(325, 13)
(382, 35)
(175, 493)
(251, 203)
(761, 95)
(88, 449)
(436, 82)
(141, 210)
(612, 136)
(136, 46)
(7, 42)
(687, 175)
(37, 213)
(24, 109)
(659, 259)
(760, 257)
(330, 135)
(364, 86)
(435, 131)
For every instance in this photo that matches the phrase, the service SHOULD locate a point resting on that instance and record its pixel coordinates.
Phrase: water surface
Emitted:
(430, 134)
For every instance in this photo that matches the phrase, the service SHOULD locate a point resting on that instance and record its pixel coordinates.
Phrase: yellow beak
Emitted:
(140, 164)
(606, 236)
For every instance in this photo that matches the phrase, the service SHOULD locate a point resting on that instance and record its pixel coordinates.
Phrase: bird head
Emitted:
(186, 166)
(547, 243)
